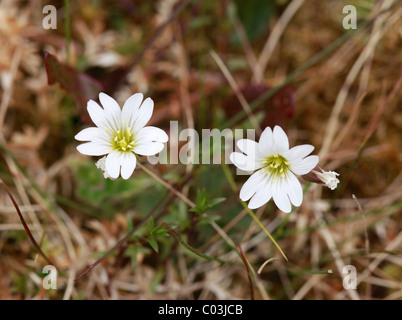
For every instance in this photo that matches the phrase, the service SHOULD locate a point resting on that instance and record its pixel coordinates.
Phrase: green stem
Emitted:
(190, 248)
(249, 211)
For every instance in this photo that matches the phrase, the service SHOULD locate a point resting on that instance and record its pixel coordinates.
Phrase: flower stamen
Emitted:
(276, 166)
(123, 140)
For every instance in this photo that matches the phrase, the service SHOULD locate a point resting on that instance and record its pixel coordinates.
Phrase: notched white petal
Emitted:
(128, 165)
(299, 152)
(148, 148)
(280, 139)
(265, 144)
(130, 108)
(88, 134)
(93, 149)
(109, 104)
(294, 190)
(113, 163)
(249, 147)
(244, 162)
(304, 166)
(253, 183)
(262, 196)
(144, 114)
(133, 102)
(151, 133)
(96, 113)
(280, 197)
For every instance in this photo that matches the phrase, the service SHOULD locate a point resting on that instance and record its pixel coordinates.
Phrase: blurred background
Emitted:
(203, 63)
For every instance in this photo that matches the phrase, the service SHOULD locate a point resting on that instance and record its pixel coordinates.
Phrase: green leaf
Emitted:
(209, 219)
(203, 204)
(130, 224)
(132, 251)
(255, 15)
(159, 232)
(154, 244)
(216, 201)
(150, 225)
(157, 279)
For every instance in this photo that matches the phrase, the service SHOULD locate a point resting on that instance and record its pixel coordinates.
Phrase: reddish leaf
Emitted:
(278, 109)
(79, 85)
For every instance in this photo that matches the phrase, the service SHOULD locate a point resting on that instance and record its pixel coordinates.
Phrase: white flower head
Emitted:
(120, 134)
(276, 167)
(329, 178)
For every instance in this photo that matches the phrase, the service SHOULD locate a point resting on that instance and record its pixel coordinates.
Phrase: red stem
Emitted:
(24, 223)
(250, 282)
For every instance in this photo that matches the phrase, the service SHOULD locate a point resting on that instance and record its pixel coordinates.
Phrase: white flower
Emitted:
(121, 134)
(328, 178)
(277, 166)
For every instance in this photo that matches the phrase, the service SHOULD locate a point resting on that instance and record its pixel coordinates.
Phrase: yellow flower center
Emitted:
(276, 166)
(123, 140)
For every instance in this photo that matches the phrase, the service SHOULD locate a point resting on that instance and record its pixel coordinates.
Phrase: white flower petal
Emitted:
(93, 149)
(88, 134)
(112, 111)
(294, 190)
(262, 196)
(249, 147)
(148, 148)
(96, 113)
(131, 107)
(109, 104)
(253, 183)
(128, 165)
(151, 133)
(144, 114)
(303, 166)
(265, 144)
(298, 152)
(113, 163)
(281, 141)
(244, 162)
(280, 196)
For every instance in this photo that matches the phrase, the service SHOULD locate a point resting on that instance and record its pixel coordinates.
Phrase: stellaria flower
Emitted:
(276, 167)
(121, 134)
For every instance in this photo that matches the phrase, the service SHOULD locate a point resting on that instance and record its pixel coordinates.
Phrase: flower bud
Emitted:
(319, 175)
